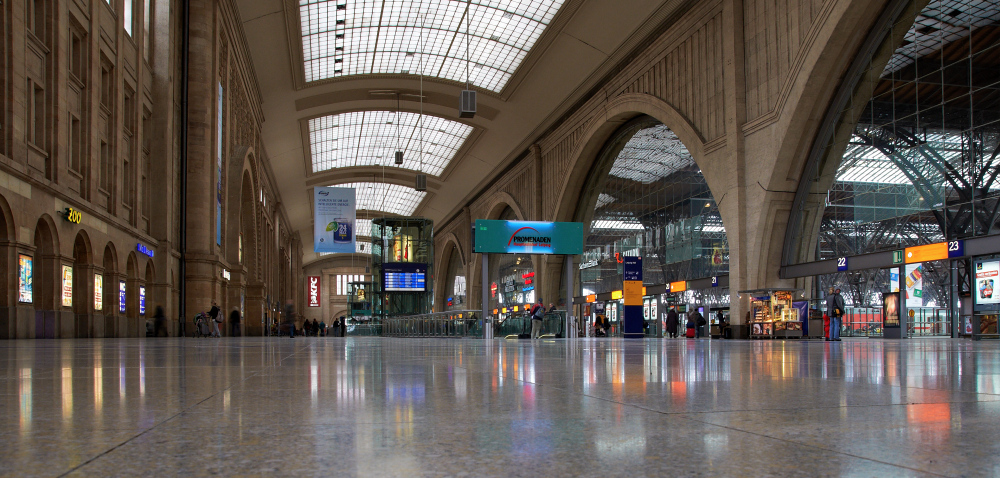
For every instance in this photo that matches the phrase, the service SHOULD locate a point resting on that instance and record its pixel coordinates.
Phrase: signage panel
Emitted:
(890, 309)
(631, 268)
(24, 280)
(930, 252)
(312, 282)
(404, 277)
(144, 250)
(956, 249)
(592, 298)
(894, 278)
(98, 292)
(715, 281)
(67, 286)
(985, 286)
(913, 275)
(679, 286)
(841, 264)
(121, 297)
(334, 216)
(528, 237)
(142, 300)
(897, 256)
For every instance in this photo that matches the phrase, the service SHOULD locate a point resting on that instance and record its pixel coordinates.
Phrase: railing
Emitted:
(928, 322)
(367, 329)
(453, 323)
(867, 322)
(553, 323)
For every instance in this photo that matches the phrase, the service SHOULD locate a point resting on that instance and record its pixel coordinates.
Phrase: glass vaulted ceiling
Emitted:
(390, 198)
(358, 37)
(371, 138)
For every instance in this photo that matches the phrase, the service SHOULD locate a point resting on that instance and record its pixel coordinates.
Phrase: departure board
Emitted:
(404, 277)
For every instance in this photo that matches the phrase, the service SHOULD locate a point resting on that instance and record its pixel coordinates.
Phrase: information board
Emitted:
(404, 277)
(987, 297)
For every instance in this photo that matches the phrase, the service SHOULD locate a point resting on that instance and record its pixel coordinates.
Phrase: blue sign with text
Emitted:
(528, 237)
(631, 268)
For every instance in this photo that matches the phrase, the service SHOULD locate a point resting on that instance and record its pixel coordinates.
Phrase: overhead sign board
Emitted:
(404, 277)
(528, 237)
(934, 252)
(313, 284)
(679, 286)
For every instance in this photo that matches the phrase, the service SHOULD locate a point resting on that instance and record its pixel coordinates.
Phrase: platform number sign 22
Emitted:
(841, 264)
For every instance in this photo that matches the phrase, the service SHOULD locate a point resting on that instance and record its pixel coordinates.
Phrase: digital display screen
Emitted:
(404, 277)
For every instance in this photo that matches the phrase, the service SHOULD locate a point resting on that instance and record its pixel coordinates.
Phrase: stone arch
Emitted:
(243, 188)
(44, 283)
(110, 289)
(494, 210)
(7, 251)
(83, 265)
(131, 287)
(618, 112)
(444, 264)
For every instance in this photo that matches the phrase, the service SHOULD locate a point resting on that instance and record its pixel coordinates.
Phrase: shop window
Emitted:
(107, 85)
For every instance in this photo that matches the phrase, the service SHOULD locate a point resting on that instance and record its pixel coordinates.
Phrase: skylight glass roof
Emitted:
(357, 37)
(941, 22)
(363, 227)
(390, 198)
(652, 154)
(371, 138)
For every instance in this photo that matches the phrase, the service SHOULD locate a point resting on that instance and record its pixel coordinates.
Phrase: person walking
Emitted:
(835, 309)
(160, 322)
(672, 321)
(537, 312)
(213, 317)
(315, 328)
(234, 322)
(290, 318)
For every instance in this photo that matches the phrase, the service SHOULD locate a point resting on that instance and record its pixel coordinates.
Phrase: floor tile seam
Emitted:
(815, 447)
(904, 386)
(168, 419)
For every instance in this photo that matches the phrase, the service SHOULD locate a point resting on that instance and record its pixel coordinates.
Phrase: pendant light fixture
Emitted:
(467, 100)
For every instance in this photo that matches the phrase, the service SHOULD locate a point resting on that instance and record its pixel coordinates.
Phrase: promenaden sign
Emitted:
(528, 237)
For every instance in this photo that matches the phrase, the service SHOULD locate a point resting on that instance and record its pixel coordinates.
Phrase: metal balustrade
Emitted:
(552, 324)
(454, 323)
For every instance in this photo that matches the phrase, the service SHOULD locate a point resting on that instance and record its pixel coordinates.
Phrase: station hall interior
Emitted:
(745, 226)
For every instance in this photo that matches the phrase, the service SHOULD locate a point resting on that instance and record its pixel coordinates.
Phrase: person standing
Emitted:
(290, 318)
(322, 329)
(698, 320)
(537, 312)
(672, 322)
(835, 309)
(213, 317)
(234, 322)
(315, 328)
(160, 322)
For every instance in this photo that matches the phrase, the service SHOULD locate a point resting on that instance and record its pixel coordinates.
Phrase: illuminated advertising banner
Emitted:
(985, 288)
(312, 283)
(98, 292)
(24, 279)
(894, 279)
(528, 237)
(913, 275)
(67, 286)
(142, 300)
(890, 310)
(334, 215)
(121, 297)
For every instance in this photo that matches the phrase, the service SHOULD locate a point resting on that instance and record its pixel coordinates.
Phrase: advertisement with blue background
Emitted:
(335, 212)
(528, 237)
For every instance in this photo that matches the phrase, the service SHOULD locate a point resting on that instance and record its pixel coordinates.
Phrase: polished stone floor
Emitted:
(430, 407)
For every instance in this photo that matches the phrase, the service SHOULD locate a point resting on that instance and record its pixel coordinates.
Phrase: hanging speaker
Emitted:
(421, 182)
(467, 104)
(399, 157)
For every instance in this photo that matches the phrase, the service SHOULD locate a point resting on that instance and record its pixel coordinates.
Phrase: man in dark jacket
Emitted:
(234, 322)
(672, 321)
(537, 312)
(697, 319)
(835, 309)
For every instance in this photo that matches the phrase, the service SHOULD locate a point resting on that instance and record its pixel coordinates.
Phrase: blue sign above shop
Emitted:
(528, 237)
(143, 249)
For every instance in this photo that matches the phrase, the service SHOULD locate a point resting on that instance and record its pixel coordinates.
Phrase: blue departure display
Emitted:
(404, 277)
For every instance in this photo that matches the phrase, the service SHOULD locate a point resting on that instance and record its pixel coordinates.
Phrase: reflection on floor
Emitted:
(412, 407)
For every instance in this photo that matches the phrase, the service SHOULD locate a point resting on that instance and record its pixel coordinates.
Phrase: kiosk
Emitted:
(772, 314)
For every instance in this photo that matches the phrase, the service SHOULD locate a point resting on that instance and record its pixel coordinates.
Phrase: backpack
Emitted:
(537, 312)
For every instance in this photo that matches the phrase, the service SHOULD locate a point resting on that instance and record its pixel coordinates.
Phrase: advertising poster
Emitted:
(218, 184)
(24, 279)
(333, 222)
(528, 237)
(986, 282)
(98, 292)
(142, 300)
(312, 283)
(67, 286)
(890, 310)
(121, 297)
(894, 279)
(914, 285)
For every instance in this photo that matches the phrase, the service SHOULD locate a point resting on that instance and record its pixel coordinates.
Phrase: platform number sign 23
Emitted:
(841, 264)
(956, 249)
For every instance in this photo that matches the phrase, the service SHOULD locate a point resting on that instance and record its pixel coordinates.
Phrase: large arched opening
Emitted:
(646, 196)
(80, 297)
(41, 282)
(8, 284)
(110, 289)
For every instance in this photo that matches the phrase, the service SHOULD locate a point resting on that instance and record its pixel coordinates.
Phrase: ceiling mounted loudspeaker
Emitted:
(467, 104)
(421, 182)
(399, 157)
